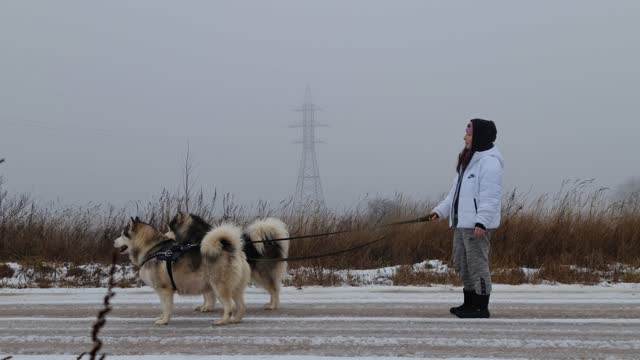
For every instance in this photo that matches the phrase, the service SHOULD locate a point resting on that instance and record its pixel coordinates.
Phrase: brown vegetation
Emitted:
(577, 226)
(6, 271)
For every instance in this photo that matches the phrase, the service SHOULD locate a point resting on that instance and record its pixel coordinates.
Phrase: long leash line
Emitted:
(418, 220)
(171, 255)
(323, 255)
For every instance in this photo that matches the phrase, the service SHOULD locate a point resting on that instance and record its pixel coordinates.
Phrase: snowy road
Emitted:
(541, 321)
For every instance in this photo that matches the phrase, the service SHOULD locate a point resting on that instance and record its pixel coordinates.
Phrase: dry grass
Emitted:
(567, 274)
(6, 271)
(630, 277)
(407, 275)
(317, 276)
(577, 226)
(514, 276)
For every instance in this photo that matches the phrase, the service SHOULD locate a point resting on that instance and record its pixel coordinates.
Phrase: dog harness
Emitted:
(170, 255)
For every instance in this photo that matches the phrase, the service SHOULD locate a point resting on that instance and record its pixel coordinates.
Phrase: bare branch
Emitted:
(102, 315)
(188, 182)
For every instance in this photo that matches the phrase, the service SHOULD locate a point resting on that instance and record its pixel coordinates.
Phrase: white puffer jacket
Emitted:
(480, 198)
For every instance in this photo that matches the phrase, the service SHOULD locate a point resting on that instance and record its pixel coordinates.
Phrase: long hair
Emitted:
(463, 159)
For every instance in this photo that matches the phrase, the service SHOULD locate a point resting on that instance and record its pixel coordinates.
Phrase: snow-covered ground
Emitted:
(61, 274)
(541, 321)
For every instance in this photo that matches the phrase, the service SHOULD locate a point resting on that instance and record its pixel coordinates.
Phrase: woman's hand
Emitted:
(433, 216)
(478, 232)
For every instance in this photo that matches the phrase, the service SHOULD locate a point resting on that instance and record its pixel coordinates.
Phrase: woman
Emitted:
(473, 208)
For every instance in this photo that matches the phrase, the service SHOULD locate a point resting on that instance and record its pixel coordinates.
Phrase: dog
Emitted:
(209, 296)
(219, 267)
(190, 228)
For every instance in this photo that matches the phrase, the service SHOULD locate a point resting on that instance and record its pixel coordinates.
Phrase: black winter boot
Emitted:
(479, 308)
(467, 301)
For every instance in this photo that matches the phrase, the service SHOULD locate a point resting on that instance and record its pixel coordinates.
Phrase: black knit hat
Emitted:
(484, 134)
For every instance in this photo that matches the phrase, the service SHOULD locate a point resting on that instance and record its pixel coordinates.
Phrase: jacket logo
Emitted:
(471, 176)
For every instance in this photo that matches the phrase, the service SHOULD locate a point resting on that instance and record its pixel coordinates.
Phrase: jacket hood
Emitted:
(484, 134)
(491, 152)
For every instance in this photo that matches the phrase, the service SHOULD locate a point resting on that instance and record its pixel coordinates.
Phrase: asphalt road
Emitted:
(527, 322)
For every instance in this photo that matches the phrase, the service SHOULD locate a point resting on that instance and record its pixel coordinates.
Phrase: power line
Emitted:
(52, 127)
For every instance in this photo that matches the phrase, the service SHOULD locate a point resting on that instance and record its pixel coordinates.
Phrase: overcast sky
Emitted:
(98, 100)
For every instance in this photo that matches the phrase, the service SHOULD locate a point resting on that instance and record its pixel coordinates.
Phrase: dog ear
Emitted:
(132, 223)
(138, 220)
(181, 216)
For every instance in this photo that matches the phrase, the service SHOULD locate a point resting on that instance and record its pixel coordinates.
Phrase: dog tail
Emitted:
(269, 228)
(223, 238)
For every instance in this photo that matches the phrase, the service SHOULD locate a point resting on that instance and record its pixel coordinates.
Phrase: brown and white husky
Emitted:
(218, 266)
(190, 228)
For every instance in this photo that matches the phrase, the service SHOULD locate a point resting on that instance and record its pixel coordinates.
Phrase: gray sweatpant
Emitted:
(471, 260)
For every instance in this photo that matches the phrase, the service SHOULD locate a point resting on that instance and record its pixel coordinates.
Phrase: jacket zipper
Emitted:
(475, 203)
(456, 199)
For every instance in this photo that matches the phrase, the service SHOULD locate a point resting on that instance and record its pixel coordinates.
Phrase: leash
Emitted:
(418, 220)
(323, 255)
(173, 253)
(159, 245)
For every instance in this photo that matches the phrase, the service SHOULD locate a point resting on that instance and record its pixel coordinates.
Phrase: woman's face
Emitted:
(468, 139)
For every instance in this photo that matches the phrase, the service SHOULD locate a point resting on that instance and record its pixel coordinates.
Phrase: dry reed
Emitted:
(577, 226)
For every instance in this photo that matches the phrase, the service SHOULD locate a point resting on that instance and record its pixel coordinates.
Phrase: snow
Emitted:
(224, 357)
(367, 322)
(619, 293)
(347, 319)
(69, 275)
(66, 273)
(372, 321)
(60, 273)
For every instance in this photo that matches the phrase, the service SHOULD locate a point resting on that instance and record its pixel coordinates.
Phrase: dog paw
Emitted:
(203, 308)
(270, 306)
(235, 321)
(220, 322)
(161, 322)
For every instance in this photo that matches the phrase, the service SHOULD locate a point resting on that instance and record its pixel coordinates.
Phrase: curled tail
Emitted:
(269, 228)
(222, 238)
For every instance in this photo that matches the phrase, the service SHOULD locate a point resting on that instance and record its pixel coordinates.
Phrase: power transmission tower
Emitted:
(308, 188)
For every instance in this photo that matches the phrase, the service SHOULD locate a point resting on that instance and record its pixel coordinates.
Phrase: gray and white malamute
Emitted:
(218, 267)
(190, 228)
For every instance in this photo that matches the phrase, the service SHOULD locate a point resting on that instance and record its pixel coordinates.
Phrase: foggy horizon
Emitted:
(99, 100)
